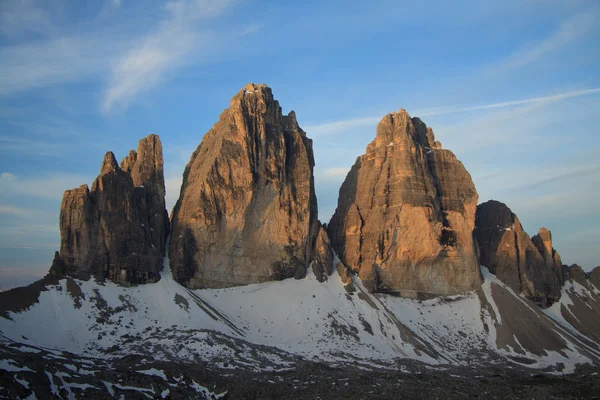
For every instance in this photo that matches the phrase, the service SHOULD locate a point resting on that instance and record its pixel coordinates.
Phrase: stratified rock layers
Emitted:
(247, 211)
(117, 230)
(406, 213)
(527, 266)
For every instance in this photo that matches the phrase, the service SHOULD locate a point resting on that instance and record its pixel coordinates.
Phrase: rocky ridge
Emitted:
(527, 265)
(406, 213)
(117, 229)
(247, 212)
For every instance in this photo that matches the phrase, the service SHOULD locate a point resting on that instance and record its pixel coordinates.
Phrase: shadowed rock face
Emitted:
(527, 266)
(247, 211)
(117, 230)
(576, 273)
(406, 213)
(595, 277)
(322, 260)
(146, 169)
(543, 242)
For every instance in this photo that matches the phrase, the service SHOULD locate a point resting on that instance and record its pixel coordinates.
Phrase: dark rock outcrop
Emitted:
(146, 169)
(247, 211)
(322, 260)
(576, 273)
(543, 242)
(406, 213)
(595, 277)
(526, 266)
(117, 230)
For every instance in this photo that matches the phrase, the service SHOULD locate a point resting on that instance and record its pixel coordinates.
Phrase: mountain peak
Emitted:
(109, 164)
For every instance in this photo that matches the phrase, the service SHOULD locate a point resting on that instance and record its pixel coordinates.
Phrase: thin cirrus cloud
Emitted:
(335, 127)
(568, 31)
(152, 58)
(52, 61)
(49, 187)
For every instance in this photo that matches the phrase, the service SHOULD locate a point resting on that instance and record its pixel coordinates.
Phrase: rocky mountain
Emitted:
(247, 212)
(409, 312)
(406, 213)
(118, 229)
(528, 266)
(146, 169)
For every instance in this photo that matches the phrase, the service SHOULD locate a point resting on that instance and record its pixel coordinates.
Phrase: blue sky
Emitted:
(511, 87)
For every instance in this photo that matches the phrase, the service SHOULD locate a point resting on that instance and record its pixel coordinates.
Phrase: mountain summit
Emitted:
(247, 211)
(406, 213)
(117, 230)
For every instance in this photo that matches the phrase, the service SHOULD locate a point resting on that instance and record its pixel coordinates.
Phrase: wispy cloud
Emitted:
(567, 32)
(55, 60)
(7, 176)
(24, 16)
(164, 50)
(28, 146)
(15, 211)
(511, 103)
(333, 127)
(336, 127)
(49, 187)
(172, 187)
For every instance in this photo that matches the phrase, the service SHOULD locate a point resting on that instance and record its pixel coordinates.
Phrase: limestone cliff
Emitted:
(247, 211)
(117, 230)
(529, 267)
(406, 213)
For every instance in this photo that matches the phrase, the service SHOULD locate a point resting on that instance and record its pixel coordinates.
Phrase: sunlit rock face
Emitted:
(528, 266)
(118, 229)
(406, 213)
(247, 211)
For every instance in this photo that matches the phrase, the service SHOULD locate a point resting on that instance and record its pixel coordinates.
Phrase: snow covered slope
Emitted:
(269, 326)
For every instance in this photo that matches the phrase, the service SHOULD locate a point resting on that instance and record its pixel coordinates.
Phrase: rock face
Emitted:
(527, 266)
(247, 211)
(406, 213)
(576, 273)
(595, 277)
(146, 169)
(543, 242)
(117, 230)
(322, 264)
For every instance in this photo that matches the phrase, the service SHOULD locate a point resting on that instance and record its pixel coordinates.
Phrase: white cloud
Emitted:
(7, 176)
(15, 211)
(27, 146)
(173, 187)
(23, 16)
(56, 60)
(148, 61)
(568, 31)
(250, 29)
(336, 127)
(49, 187)
(333, 172)
(511, 103)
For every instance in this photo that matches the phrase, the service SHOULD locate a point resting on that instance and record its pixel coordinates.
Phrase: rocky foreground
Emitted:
(45, 373)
